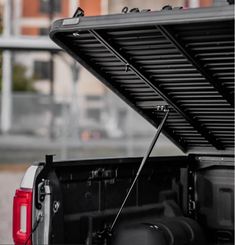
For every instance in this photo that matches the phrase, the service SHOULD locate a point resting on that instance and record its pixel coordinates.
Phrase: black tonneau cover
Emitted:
(183, 58)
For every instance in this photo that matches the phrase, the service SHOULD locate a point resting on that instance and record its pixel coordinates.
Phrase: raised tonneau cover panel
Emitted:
(183, 58)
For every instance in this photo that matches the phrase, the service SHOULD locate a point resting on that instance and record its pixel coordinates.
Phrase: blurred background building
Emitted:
(49, 104)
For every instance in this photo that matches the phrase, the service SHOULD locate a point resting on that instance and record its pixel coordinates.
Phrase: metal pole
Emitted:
(6, 106)
(51, 17)
(73, 6)
(130, 141)
(73, 104)
(147, 154)
(194, 3)
(17, 16)
(104, 7)
(52, 85)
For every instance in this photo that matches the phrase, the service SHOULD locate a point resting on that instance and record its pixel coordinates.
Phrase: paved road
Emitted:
(9, 182)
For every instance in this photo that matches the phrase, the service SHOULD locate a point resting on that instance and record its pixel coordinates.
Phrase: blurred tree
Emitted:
(20, 81)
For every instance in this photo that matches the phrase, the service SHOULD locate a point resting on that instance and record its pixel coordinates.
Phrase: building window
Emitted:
(94, 114)
(42, 69)
(43, 31)
(220, 2)
(50, 5)
(93, 98)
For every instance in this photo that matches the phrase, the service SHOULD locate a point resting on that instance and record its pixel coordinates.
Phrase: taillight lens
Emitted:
(22, 217)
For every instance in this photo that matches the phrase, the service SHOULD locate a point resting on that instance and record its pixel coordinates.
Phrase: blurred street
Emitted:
(21, 149)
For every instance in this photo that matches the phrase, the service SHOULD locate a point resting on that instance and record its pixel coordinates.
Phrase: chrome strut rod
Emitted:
(146, 156)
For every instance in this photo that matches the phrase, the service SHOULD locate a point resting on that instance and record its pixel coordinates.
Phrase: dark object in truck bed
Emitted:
(182, 57)
(174, 231)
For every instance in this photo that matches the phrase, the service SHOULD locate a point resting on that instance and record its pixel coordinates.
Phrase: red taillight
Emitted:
(22, 217)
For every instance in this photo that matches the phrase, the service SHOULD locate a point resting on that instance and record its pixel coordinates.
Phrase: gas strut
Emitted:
(108, 231)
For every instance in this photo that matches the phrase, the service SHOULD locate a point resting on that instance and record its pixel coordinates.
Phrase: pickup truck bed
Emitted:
(182, 59)
(90, 192)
